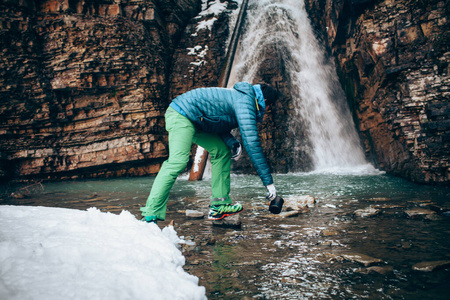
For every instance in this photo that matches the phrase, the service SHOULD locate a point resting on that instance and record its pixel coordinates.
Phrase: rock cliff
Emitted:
(84, 83)
(393, 61)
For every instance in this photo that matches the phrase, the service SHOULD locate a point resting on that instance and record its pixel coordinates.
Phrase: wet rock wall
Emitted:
(84, 85)
(393, 61)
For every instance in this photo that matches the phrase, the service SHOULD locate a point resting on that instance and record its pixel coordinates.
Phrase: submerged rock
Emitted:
(388, 206)
(379, 199)
(366, 212)
(383, 270)
(282, 215)
(418, 213)
(329, 232)
(429, 266)
(366, 260)
(440, 209)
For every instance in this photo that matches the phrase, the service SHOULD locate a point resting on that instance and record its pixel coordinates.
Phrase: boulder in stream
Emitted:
(428, 266)
(233, 221)
(421, 213)
(366, 260)
(366, 212)
(299, 203)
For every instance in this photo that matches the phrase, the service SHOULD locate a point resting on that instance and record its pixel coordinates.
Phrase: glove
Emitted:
(236, 151)
(272, 192)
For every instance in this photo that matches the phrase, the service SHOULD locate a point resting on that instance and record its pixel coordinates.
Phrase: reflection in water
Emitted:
(294, 258)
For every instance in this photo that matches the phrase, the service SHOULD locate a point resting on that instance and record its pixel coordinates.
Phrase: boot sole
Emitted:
(223, 216)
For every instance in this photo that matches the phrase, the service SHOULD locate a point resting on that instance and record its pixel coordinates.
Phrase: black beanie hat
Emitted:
(269, 93)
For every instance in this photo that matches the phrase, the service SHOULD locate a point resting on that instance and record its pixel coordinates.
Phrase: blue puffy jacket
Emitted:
(220, 110)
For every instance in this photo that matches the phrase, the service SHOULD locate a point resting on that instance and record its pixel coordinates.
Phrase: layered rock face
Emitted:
(84, 85)
(393, 61)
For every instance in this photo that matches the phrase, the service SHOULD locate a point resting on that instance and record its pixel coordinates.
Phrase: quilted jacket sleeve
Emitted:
(229, 139)
(246, 118)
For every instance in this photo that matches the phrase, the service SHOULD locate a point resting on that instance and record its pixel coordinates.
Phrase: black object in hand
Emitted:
(276, 205)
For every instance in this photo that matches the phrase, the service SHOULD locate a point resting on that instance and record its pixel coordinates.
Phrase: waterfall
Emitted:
(319, 103)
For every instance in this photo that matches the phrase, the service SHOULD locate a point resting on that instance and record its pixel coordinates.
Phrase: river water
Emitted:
(300, 257)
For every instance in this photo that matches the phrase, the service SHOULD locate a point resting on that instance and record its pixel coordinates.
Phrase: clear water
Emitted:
(292, 258)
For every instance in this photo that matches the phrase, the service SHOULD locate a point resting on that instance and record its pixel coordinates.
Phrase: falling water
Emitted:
(318, 99)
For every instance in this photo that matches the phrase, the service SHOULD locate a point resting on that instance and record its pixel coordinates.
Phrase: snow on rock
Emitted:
(208, 15)
(56, 253)
(212, 8)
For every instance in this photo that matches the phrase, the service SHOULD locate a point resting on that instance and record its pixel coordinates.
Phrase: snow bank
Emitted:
(55, 253)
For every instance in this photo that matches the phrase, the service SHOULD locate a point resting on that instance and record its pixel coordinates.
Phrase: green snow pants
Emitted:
(182, 134)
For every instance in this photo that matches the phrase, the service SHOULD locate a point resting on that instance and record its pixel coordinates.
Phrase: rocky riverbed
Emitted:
(348, 237)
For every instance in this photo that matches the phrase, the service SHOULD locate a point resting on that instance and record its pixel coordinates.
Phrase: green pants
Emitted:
(182, 134)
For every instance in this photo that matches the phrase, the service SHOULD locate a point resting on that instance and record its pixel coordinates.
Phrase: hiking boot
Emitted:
(149, 219)
(218, 212)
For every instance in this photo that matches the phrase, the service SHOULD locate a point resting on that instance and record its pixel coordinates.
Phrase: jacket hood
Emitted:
(255, 92)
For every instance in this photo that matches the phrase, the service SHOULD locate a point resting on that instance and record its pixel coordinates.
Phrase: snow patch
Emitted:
(209, 12)
(197, 51)
(198, 158)
(56, 253)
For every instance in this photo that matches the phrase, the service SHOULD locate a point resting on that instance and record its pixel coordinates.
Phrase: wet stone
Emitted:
(429, 266)
(194, 214)
(440, 209)
(379, 199)
(299, 203)
(388, 206)
(329, 257)
(366, 212)
(233, 221)
(329, 232)
(419, 213)
(366, 260)
(282, 215)
(383, 270)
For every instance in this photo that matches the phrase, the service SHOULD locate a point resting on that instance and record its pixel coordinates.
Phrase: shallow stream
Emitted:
(308, 256)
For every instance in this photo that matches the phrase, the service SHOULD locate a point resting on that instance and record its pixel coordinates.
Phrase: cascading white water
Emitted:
(317, 96)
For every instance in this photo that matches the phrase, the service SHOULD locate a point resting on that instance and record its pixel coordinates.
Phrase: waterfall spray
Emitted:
(317, 97)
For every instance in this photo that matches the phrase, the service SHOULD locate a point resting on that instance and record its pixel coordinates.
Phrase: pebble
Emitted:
(429, 266)
(366, 212)
(17, 196)
(366, 260)
(329, 232)
(194, 214)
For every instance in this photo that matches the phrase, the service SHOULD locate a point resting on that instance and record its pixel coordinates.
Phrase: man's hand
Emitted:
(272, 192)
(236, 151)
